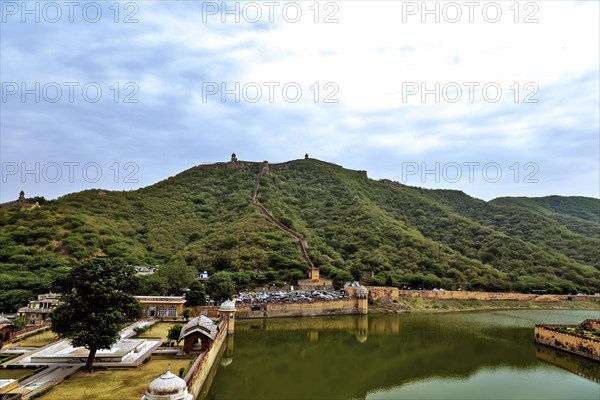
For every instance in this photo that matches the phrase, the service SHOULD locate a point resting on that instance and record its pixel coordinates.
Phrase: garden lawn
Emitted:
(14, 373)
(114, 384)
(158, 331)
(38, 340)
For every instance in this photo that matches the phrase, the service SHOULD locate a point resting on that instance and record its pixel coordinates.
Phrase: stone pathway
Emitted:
(128, 331)
(45, 378)
(301, 241)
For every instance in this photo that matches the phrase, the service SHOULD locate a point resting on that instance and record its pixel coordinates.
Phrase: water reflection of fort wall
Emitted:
(342, 356)
(405, 327)
(572, 363)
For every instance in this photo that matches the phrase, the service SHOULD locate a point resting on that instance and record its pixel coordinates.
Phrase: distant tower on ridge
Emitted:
(233, 157)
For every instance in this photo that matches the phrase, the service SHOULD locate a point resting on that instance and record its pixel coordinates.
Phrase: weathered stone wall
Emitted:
(199, 371)
(591, 324)
(564, 341)
(208, 311)
(315, 284)
(383, 293)
(468, 295)
(325, 307)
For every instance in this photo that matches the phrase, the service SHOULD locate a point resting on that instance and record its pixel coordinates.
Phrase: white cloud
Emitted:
(369, 54)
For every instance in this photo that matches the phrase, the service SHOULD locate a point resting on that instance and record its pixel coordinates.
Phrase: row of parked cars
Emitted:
(295, 296)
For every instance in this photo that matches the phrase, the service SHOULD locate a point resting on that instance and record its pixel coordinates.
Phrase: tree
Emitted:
(174, 333)
(11, 300)
(152, 285)
(196, 296)
(220, 286)
(19, 323)
(186, 314)
(178, 276)
(96, 303)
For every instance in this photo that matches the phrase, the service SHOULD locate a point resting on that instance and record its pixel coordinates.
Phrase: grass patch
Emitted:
(15, 373)
(38, 340)
(157, 331)
(114, 384)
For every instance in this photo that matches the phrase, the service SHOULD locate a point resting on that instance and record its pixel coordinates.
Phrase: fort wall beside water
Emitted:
(325, 307)
(393, 294)
(346, 306)
(199, 371)
(546, 334)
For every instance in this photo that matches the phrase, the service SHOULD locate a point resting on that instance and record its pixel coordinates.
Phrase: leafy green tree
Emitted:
(153, 285)
(10, 300)
(220, 286)
(96, 303)
(19, 323)
(178, 276)
(186, 313)
(174, 333)
(196, 296)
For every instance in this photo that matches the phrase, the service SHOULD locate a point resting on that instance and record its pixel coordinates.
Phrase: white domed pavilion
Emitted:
(167, 387)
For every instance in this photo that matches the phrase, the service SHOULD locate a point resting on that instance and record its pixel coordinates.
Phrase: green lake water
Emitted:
(478, 355)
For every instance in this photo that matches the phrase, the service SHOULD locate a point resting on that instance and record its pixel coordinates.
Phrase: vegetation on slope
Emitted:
(407, 236)
(410, 239)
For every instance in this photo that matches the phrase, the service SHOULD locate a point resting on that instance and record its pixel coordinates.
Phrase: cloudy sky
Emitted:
(491, 98)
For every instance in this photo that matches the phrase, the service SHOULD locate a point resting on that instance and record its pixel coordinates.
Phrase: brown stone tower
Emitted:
(22, 197)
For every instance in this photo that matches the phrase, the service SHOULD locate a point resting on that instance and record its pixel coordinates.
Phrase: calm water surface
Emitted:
(482, 355)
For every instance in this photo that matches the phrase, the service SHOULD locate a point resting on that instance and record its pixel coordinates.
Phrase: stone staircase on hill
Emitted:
(314, 279)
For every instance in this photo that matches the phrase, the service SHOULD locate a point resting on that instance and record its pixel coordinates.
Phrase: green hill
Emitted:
(407, 236)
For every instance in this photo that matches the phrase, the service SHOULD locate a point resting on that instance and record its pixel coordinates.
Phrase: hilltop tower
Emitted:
(21, 197)
(233, 157)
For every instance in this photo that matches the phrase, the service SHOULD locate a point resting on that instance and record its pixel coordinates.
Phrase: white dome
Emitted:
(226, 361)
(361, 290)
(227, 306)
(167, 387)
(361, 337)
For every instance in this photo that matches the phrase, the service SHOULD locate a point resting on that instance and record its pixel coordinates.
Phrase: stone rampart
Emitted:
(321, 307)
(487, 296)
(199, 371)
(548, 335)
(383, 293)
(207, 311)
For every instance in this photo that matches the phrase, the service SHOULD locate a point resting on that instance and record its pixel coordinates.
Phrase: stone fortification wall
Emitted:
(199, 371)
(383, 293)
(469, 295)
(226, 165)
(545, 334)
(208, 311)
(387, 293)
(324, 307)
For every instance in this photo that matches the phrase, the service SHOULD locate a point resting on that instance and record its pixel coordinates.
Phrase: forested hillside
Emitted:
(407, 236)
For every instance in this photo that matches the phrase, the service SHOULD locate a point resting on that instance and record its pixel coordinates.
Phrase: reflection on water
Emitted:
(582, 366)
(462, 355)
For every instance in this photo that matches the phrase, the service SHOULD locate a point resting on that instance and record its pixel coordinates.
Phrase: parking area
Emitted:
(296, 296)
